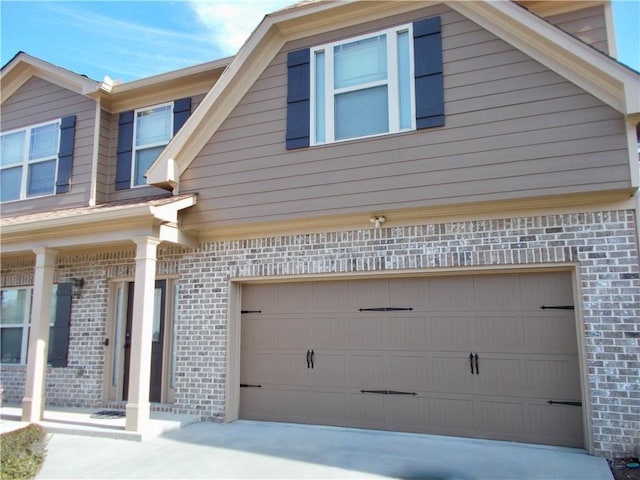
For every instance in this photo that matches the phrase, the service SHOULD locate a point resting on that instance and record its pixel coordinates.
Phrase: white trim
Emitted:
(95, 155)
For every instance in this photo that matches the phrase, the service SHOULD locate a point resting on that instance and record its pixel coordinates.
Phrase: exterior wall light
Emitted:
(78, 283)
(377, 220)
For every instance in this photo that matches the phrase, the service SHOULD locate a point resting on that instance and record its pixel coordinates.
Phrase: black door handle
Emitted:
(477, 363)
(308, 359)
(311, 358)
(471, 362)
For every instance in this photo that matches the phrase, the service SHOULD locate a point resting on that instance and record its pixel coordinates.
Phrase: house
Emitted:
(416, 216)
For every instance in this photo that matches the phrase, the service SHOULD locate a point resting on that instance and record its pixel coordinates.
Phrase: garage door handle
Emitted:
(477, 363)
(471, 362)
(312, 358)
(308, 359)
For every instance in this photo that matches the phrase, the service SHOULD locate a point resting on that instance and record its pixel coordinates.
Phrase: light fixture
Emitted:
(78, 283)
(377, 220)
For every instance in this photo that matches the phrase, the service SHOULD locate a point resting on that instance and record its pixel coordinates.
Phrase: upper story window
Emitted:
(142, 135)
(362, 86)
(29, 161)
(384, 82)
(153, 130)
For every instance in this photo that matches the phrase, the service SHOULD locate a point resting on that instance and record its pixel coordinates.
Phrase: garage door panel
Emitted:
(404, 332)
(365, 331)
(451, 292)
(257, 403)
(450, 333)
(366, 410)
(331, 297)
(500, 419)
(409, 292)
(365, 371)
(328, 332)
(328, 407)
(369, 294)
(410, 413)
(494, 333)
(264, 298)
(499, 375)
(295, 297)
(330, 369)
(496, 290)
(407, 372)
(258, 331)
(556, 424)
(450, 373)
(553, 378)
(451, 415)
(550, 333)
(291, 331)
(291, 404)
(290, 368)
(546, 289)
(257, 366)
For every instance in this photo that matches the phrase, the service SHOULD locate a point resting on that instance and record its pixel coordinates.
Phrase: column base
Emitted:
(32, 410)
(137, 416)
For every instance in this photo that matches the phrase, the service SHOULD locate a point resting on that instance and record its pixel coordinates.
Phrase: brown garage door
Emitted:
(394, 354)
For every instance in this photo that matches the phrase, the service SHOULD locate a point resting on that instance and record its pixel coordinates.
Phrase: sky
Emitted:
(128, 40)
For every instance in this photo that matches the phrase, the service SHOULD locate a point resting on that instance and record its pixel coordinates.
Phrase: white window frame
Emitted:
(24, 165)
(137, 148)
(392, 83)
(26, 321)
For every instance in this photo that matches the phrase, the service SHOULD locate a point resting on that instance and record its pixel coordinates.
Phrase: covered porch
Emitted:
(45, 236)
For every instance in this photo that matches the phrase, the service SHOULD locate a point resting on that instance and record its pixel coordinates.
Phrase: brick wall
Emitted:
(602, 245)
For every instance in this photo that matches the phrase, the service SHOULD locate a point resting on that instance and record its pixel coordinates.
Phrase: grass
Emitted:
(22, 452)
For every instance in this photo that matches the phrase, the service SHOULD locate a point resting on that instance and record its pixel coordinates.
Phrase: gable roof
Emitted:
(559, 51)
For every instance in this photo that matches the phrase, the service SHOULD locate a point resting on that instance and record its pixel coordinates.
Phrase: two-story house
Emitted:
(414, 216)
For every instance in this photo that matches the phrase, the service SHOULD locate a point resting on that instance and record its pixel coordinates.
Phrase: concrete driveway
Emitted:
(247, 450)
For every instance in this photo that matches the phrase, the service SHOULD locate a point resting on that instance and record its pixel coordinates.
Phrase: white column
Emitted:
(33, 401)
(138, 406)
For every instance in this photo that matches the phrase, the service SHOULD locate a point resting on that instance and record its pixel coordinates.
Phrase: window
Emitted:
(362, 86)
(15, 321)
(387, 82)
(29, 161)
(153, 130)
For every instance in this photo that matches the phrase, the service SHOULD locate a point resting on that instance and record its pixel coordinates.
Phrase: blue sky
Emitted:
(133, 39)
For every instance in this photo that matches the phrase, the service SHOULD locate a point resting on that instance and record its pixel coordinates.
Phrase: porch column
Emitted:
(138, 406)
(33, 401)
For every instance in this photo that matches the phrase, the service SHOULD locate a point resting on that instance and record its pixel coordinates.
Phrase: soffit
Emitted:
(588, 68)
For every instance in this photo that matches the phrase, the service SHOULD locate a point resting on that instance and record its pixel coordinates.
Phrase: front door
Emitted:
(157, 344)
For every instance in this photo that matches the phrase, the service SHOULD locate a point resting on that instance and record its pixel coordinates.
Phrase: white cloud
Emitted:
(231, 22)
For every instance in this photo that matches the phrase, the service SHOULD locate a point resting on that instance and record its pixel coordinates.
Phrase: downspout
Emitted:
(93, 192)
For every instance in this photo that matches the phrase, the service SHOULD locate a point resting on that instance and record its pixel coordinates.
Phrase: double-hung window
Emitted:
(362, 86)
(152, 131)
(29, 161)
(15, 323)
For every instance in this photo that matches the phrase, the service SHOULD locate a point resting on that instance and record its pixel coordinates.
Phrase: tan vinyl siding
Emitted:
(514, 129)
(39, 101)
(104, 158)
(589, 25)
(138, 192)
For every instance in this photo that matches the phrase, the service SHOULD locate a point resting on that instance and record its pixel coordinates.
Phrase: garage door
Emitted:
(462, 355)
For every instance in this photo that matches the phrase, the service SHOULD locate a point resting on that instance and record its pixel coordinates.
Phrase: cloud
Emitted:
(231, 22)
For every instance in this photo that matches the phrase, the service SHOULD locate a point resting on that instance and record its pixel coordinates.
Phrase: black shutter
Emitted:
(65, 153)
(427, 48)
(181, 111)
(59, 333)
(298, 95)
(124, 151)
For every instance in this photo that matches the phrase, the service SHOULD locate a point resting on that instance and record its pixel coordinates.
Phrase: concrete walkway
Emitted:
(262, 450)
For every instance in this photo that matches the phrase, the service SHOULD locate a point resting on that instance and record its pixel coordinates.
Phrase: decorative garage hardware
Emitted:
(387, 392)
(310, 355)
(385, 309)
(250, 311)
(558, 307)
(248, 385)
(475, 358)
(571, 404)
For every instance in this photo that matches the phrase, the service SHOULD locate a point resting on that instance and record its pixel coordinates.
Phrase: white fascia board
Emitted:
(578, 62)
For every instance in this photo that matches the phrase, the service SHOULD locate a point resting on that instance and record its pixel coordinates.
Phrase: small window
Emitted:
(29, 161)
(153, 130)
(362, 87)
(15, 321)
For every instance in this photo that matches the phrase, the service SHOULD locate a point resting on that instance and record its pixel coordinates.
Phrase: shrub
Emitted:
(22, 452)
